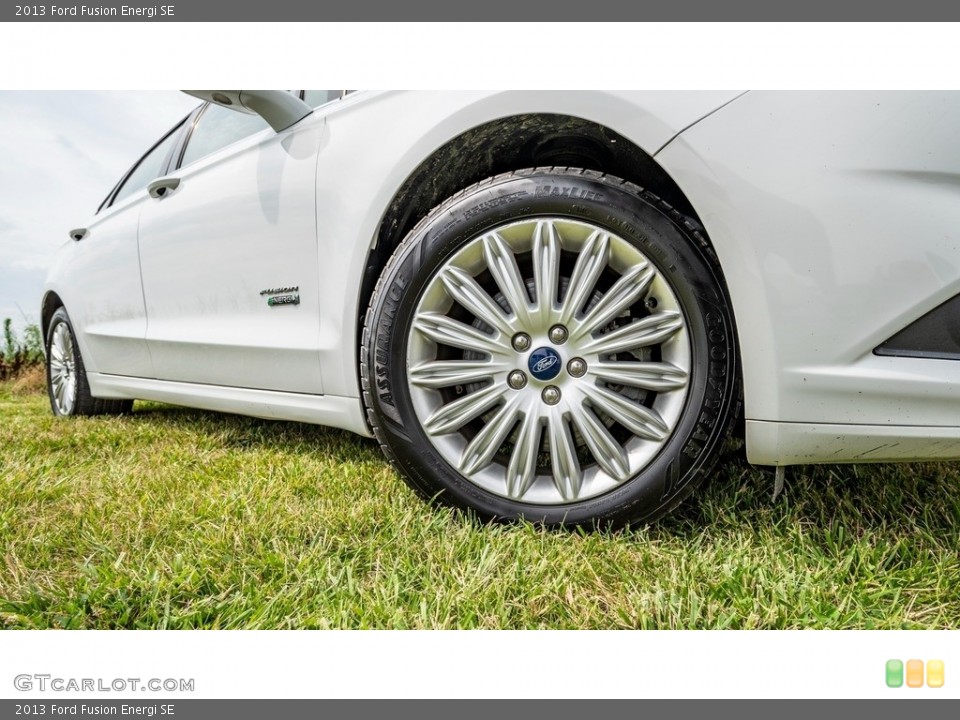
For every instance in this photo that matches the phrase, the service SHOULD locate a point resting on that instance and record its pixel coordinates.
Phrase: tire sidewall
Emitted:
(680, 255)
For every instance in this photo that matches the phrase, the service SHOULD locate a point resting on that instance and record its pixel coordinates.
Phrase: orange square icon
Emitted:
(914, 673)
(934, 673)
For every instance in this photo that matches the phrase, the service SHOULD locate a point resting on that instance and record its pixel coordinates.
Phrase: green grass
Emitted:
(175, 518)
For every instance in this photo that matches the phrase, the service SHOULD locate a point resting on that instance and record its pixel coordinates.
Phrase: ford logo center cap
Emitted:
(544, 364)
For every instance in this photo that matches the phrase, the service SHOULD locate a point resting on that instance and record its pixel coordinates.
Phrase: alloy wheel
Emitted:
(548, 360)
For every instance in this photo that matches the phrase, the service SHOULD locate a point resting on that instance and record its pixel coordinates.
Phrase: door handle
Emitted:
(78, 233)
(161, 186)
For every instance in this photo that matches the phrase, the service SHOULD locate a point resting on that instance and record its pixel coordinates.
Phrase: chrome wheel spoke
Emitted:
(64, 341)
(465, 290)
(608, 453)
(60, 342)
(567, 474)
(447, 331)
(60, 394)
(625, 292)
(655, 376)
(68, 394)
(445, 373)
(546, 269)
(590, 264)
(641, 421)
(522, 468)
(481, 450)
(458, 413)
(647, 331)
(503, 266)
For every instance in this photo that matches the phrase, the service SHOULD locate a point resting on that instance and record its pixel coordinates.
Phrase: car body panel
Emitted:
(836, 219)
(98, 279)
(241, 221)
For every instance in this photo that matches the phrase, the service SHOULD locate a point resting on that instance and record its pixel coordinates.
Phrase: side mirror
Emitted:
(280, 109)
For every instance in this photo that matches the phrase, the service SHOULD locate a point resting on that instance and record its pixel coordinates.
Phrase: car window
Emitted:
(217, 128)
(149, 168)
(316, 98)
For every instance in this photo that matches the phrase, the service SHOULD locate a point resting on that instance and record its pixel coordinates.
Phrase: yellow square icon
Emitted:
(934, 673)
(914, 673)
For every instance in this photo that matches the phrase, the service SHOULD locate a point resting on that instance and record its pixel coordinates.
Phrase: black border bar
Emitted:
(535, 11)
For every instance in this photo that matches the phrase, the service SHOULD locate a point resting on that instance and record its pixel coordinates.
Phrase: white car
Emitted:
(548, 305)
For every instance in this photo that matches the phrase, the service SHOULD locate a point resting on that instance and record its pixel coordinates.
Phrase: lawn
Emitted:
(174, 518)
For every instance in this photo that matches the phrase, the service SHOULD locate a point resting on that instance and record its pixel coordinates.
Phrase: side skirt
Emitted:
(332, 410)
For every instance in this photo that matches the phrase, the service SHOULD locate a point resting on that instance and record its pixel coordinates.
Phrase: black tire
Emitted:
(77, 399)
(678, 249)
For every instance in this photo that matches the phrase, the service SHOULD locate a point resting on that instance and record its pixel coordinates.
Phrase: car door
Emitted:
(228, 255)
(106, 299)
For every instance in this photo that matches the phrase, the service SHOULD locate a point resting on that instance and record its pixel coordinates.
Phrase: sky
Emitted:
(61, 152)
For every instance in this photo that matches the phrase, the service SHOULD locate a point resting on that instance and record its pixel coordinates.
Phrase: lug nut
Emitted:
(516, 379)
(551, 395)
(521, 342)
(558, 334)
(577, 367)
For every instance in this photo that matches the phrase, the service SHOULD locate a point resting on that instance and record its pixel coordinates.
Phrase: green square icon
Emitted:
(894, 673)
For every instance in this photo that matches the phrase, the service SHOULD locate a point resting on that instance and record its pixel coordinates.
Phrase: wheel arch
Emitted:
(51, 301)
(506, 144)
